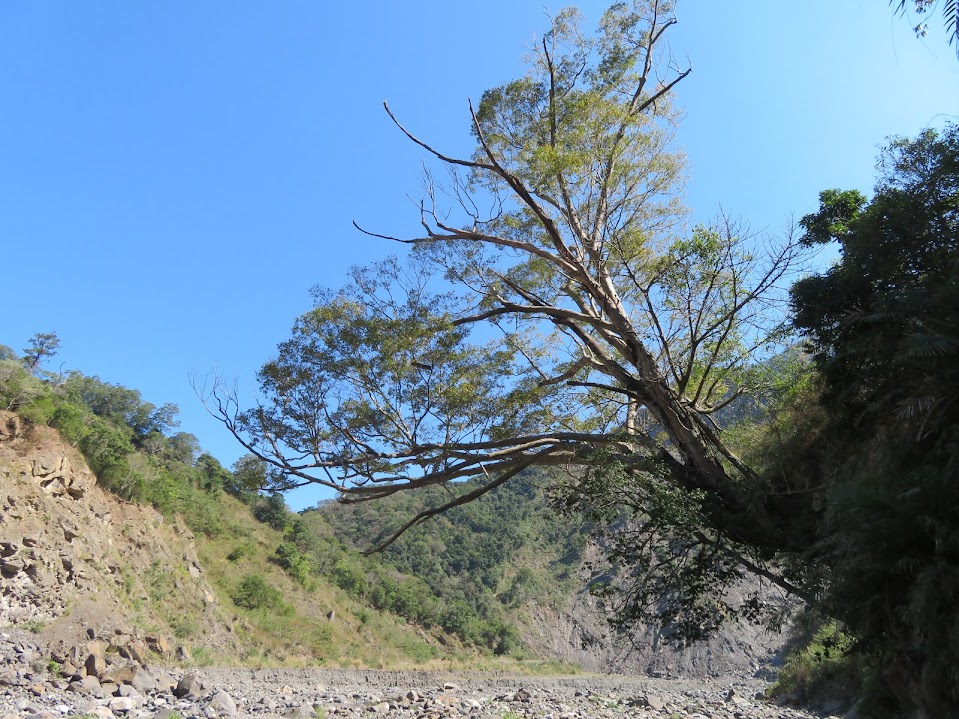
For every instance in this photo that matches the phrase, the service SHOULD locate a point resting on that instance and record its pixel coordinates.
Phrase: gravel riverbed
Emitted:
(31, 689)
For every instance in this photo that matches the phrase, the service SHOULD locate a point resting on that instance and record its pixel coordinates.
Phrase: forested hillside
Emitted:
(503, 578)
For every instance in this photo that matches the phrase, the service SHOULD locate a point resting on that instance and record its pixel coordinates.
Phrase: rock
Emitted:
(521, 695)
(126, 690)
(653, 702)
(10, 568)
(223, 705)
(133, 650)
(189, 687)
(86, 685)
(95, 665)
(159, 644)
(122, 704)
(163, 681)
(303, 711)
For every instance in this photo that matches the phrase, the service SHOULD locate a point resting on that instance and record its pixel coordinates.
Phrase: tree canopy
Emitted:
(558, 311)
(555, 310)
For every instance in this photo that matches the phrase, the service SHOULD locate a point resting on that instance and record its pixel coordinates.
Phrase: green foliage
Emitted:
(826, 666)
(240, 551)
(34, 626)
(121, 406)
(883, 323)
(292, 559)
(43, 346)
(272, 510)
(250, 475)
(459, 572)
(253, 592)
(18, 388)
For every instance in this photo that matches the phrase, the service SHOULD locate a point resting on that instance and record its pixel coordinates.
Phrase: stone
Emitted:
(223, 705)
(133, 650)
(10, 568)
(163, 680)
(95, 665)
(189, 687)
(121, 704)
(521, 695)
(160, 644)
(87, 684)
(303, 711)
(653, 702)
(126, 690)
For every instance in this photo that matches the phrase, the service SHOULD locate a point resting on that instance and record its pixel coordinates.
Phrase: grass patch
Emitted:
(823, 669)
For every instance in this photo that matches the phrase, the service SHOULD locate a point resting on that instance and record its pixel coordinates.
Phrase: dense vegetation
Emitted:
(129, 443)
(474, 562)
(883, 326)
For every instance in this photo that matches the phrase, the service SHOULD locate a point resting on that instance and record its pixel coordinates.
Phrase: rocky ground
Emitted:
(95, 679)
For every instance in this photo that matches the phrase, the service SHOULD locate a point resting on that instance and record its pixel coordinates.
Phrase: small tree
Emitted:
(43, 346)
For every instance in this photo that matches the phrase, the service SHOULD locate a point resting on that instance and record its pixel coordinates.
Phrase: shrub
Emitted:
(254, 592)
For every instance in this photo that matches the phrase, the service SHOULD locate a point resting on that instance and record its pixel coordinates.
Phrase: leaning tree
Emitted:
(555, 311)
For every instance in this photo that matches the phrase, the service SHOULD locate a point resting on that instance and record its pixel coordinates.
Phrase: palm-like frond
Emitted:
(948, 8)
(950, 14)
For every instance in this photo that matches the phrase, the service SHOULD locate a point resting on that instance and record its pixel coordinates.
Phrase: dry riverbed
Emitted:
(29, 689)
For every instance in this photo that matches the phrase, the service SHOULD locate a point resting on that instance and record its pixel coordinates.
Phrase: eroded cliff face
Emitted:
(578, 633)
(77, 562)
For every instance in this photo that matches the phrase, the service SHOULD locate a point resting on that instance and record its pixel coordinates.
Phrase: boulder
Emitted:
(222, 704)
(189, 687)
(95, 665)
(160, 644)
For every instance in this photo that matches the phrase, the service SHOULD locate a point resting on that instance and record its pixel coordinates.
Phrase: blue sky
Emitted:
(175, 176)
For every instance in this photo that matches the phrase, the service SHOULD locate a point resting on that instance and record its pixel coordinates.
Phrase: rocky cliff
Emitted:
(79, 565)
